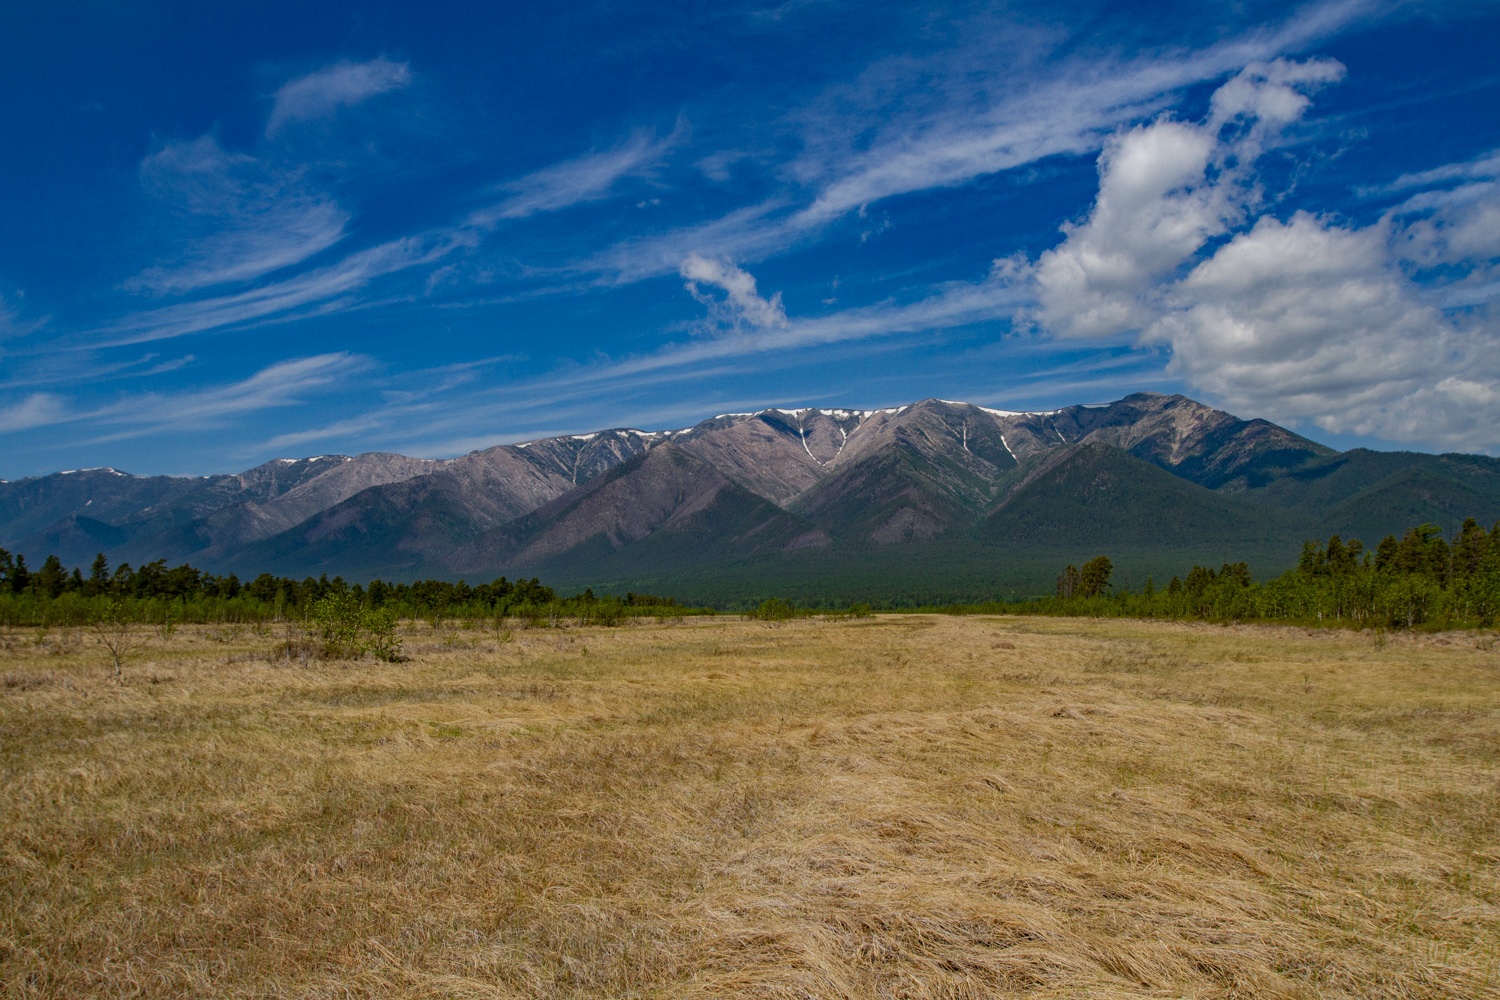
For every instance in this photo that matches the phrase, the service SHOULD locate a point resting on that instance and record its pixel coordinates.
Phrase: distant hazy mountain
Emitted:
(932, 498)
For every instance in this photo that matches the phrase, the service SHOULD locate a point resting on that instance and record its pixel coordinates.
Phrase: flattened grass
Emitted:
(915, 807)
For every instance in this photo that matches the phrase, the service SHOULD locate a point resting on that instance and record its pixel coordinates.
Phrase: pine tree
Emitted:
(1470, 549)
(98, 581)
(1093, 579)
(1385, 553)
(51, 578)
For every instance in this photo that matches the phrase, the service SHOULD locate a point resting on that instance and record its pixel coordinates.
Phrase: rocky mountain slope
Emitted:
(755, 493)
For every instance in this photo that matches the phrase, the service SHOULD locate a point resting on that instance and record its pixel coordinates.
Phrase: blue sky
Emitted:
(235, 231)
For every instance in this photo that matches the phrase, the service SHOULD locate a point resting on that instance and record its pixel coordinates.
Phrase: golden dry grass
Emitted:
(899, 807)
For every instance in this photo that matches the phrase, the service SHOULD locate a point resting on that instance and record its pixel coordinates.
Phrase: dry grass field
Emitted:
(893, 807)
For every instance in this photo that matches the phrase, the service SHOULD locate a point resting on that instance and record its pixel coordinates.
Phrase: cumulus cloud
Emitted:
(1305, 318)
(1456, 226)
(1154, 209)
(742, 305)
(320, 94)
(965, 137)
(1309, 319)
(1165, 190)
(242, 217)
(912, 124)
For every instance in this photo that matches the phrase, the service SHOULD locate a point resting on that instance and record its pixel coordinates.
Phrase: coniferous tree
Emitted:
(20, 576)
(1093, 579)
(51, 578)
(1469, 550)
(1423, 552)
(98, 581)
(1313, 560)
(1385, 553)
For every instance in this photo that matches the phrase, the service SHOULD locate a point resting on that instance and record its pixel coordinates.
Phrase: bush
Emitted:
(347, 630)
(774, 609)
(380, 638)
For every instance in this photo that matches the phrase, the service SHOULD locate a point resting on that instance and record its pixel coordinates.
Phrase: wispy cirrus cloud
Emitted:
(262, 221)
(587, 178)
(283, 384)
(320, 94)
(243, 216)
(280, 226)
(37, 410)
(756, 326)
(751, 181)
(312, 291)
(1066, 108)
(12, 322)
(979, 115)
(58, 370)
(1480, 168)
(409, 403)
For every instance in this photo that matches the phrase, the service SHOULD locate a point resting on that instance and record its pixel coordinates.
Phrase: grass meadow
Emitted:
(902, 806)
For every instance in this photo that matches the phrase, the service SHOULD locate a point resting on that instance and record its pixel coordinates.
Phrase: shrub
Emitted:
(774, 609)
(346, 629)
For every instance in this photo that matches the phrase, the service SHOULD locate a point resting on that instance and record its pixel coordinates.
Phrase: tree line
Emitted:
(1420, 579)
(153, 592)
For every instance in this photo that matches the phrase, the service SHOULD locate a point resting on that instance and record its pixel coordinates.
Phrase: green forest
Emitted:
(1420, 580)
(51, 595)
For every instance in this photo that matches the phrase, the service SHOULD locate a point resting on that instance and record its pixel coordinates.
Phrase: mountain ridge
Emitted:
(744, 488)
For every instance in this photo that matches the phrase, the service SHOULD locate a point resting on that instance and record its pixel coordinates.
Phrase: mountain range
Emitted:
(931, 501)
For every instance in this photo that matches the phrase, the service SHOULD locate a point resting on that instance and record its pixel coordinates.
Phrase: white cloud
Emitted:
(1454, 226)
(1268, 95)
(338, 429)
(1165, 190)
(11, 322)
(911, 125)
(245, 217)
(752, 231)
(575, 182)
(37, 410)
(742, 303)
(1152, 212)
(1306, 319)
(1302, 319)
(1486, 166)
(320, 94)
(1069, 113)
(312, 291)
(281, 384)
(285, 383)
